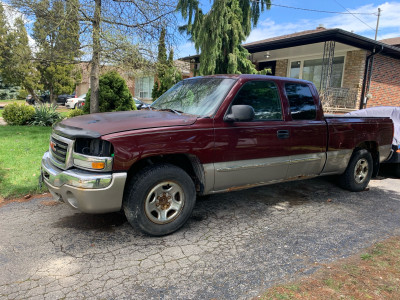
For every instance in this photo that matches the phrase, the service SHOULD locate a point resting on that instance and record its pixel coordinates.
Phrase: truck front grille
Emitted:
(60, 151)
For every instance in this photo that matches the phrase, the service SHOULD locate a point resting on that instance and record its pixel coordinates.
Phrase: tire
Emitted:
(75, 106)
(159, 199)
(397, 169)
(358, 172)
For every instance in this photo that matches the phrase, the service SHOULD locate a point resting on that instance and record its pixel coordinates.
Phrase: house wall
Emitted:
(84, 85)
(354, 71)
(385, 82)
(281, 67)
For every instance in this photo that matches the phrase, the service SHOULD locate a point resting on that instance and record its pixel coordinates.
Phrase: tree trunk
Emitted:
(52, 99)
(33, 94)
(95, 71)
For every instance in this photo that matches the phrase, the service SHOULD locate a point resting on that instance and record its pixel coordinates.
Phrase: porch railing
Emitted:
(339, 99)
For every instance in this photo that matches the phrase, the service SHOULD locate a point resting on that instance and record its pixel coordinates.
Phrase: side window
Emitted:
(263, 96)
(301, 101)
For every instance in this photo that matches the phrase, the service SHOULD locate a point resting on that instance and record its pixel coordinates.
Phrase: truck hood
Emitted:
(96, 125)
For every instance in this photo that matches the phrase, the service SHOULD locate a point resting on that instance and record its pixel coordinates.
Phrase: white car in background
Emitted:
(73, 102)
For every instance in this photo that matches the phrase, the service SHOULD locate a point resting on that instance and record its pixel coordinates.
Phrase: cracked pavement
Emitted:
(234, 246)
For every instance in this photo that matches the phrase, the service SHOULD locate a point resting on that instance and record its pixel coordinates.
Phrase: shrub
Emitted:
(114, 94)
(45, 115)
(75, 113)
(18, 114)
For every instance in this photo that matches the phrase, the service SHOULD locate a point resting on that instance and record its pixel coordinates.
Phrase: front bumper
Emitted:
(86, 191)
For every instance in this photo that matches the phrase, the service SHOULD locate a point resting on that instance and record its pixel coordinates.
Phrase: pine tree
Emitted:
(3, 31)
(167, 74)
(17, 66)
(219, 33)
(56, 32)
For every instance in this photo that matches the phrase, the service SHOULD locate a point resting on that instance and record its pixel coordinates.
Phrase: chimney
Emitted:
(321, 26)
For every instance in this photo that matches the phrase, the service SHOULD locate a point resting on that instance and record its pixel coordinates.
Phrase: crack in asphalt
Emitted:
(234, 246)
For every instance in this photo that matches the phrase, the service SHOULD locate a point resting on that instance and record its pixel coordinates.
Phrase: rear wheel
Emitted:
(397, 169)
(159, 199)
(359, 171)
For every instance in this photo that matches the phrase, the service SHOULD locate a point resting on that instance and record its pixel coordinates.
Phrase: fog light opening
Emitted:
(56, 197)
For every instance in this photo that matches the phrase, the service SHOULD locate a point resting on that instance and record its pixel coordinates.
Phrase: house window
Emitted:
(295, 69)
(312, 70)
(144, 86)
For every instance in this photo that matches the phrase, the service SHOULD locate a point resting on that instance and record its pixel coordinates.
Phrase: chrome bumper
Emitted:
(86, 191)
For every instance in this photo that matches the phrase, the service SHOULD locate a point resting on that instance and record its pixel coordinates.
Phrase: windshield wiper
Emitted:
(178, 112)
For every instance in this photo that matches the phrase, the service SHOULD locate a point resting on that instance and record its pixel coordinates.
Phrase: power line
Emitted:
(322, 11)
(353, 14)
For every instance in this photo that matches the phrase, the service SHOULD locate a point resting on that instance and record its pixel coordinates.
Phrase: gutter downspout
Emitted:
(363, 92)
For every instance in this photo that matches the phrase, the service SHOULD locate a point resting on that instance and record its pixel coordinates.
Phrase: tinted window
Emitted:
(301, 101)
(263, 97)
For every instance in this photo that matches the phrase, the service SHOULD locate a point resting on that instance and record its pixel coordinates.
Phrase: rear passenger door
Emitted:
(307, 132)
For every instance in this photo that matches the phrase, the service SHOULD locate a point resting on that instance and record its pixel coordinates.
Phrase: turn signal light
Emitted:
(98, 165)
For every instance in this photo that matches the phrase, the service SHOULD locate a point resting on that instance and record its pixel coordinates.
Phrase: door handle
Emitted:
(282, 134)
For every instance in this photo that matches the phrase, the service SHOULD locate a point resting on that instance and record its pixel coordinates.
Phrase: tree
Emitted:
(3, 31)
(167, 74)
(114, 94)
(17, 66)
(219, 33)
(58, 45)
(115, 32)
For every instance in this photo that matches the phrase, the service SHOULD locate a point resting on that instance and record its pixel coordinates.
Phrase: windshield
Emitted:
(197, 96)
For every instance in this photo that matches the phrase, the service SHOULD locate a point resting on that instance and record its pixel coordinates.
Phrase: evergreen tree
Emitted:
(167, 74)
(56, 32)
(114, 94)
(219, 33)
(3, 31)
(17, 66)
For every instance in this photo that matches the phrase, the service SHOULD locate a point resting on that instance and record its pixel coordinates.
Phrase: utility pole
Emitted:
(377, 23)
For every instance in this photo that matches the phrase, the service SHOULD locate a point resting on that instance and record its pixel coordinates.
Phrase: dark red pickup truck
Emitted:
(207, 135)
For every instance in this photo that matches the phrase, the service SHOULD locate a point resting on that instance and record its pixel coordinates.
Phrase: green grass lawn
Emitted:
(21, 150)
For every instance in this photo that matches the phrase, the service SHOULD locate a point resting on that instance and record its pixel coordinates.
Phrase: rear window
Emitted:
(301, 101)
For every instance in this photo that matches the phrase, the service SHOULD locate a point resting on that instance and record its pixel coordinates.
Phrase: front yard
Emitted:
(21, 150)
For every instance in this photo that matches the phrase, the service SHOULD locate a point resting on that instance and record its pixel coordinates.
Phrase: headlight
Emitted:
(93, 154)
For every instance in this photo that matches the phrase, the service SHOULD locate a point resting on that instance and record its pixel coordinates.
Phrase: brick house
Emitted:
(140, 83)
(344, 66)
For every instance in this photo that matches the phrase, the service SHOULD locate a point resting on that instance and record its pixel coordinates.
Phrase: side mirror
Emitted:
(240, 113)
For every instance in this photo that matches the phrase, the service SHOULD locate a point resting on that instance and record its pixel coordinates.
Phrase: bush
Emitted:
(18, 114)
(75, 113)
(114, 94)
(45, 115)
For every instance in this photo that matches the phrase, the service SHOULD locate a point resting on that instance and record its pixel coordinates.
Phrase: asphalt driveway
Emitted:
(235, 245)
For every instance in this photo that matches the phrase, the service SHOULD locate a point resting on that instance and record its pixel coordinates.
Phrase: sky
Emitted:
(280, 21)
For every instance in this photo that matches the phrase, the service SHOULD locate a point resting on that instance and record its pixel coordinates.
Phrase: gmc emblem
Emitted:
(53, 146)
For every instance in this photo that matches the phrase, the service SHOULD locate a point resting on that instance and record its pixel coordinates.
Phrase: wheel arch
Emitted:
(188, 162)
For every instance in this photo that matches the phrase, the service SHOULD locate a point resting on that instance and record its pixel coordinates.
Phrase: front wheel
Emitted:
(359, 171)
(159, 199)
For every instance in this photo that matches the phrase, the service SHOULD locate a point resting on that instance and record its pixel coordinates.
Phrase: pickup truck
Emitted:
(207, 135)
